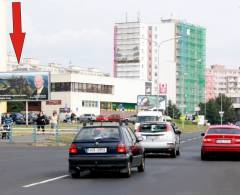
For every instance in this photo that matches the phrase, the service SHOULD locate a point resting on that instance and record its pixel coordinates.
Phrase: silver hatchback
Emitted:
(160, 137)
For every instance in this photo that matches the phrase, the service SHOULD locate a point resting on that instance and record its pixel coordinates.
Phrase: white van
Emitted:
(148, 116)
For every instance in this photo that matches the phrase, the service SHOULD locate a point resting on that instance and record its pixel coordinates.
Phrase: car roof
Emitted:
(102, 126)
(155, 123)
(223, 126)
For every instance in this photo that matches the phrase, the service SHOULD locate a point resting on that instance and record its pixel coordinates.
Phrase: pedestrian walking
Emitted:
(41, 122)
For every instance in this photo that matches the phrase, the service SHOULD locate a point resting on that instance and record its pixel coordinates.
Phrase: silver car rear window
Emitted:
(150, 128)
(142, 119)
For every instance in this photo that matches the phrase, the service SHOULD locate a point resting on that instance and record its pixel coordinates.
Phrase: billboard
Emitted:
(148, 88)
(24, 86)
(147, 102)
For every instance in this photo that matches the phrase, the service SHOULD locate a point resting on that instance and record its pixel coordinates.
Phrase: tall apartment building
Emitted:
(170, 54)
(222, 80)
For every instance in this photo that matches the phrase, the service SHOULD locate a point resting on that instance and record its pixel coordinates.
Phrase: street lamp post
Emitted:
(159, 44)
(221, 112)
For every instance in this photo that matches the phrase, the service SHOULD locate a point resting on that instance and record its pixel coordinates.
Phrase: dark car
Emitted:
(105, 148)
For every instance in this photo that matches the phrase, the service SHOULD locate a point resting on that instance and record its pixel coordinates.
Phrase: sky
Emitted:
(80, 32)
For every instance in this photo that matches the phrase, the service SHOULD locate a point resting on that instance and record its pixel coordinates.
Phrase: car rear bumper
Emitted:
(158, 150)
(208, 149)
(91, 162)
(157, 147)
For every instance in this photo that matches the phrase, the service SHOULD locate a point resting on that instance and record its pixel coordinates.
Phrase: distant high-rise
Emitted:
(169, 55)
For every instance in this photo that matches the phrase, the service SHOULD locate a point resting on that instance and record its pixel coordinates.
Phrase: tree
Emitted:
(172, 110)
(213, 107)
(227, 107)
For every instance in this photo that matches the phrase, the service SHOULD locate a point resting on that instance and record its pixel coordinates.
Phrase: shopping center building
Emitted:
(92, 94)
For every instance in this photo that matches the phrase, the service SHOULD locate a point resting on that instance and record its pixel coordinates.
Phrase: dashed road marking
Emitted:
(190, 139)
(45, 181)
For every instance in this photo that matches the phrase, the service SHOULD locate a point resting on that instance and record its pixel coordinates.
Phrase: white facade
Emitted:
(123, 91)
(159, 67)
(3, 35)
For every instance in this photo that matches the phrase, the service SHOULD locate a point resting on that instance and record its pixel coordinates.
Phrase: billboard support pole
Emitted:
(1, 117)
(27, 113)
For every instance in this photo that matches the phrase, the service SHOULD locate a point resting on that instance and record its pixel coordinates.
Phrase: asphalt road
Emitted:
(44, 171)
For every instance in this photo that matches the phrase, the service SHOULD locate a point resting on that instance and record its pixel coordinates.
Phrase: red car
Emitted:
(101, 118)
(220, 139)
(115, 118)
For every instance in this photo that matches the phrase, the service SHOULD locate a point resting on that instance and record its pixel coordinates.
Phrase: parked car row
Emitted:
(109, 118)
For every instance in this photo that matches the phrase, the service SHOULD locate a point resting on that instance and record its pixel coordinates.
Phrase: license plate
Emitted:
(152, 138)
(223, 141)
(96, 150)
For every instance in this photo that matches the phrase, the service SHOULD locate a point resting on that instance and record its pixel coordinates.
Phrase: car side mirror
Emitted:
(178, 132)
(202, 134)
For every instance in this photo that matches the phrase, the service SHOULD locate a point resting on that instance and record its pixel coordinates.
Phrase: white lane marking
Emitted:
(190, 139)
(45, 181)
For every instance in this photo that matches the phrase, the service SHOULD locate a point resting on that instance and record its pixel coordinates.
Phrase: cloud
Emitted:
(68, 36)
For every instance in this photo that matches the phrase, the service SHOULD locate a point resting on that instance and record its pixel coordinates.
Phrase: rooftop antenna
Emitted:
(126, 17)
(138, 16)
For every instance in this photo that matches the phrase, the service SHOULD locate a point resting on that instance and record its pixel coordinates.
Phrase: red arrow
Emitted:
(17, 36)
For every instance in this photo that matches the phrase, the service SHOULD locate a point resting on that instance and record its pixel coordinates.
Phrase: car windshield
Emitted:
(98, 133)
(223, 131)
(152, 128)
(142, 119)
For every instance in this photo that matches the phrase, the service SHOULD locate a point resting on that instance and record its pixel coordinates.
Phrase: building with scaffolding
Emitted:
(169, 56)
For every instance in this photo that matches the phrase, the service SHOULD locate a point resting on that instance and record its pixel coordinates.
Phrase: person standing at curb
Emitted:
(54, 121)
(7, 126)
(41, 122)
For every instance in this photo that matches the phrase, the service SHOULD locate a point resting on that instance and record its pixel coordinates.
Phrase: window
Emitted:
(88, 103)
(132, 135)
(82, 87)
(127, 136)
(66, 86)
(223, 131)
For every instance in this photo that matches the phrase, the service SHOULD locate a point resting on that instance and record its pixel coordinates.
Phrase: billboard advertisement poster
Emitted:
(147, 102)
(24, 86)
(163, 88)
